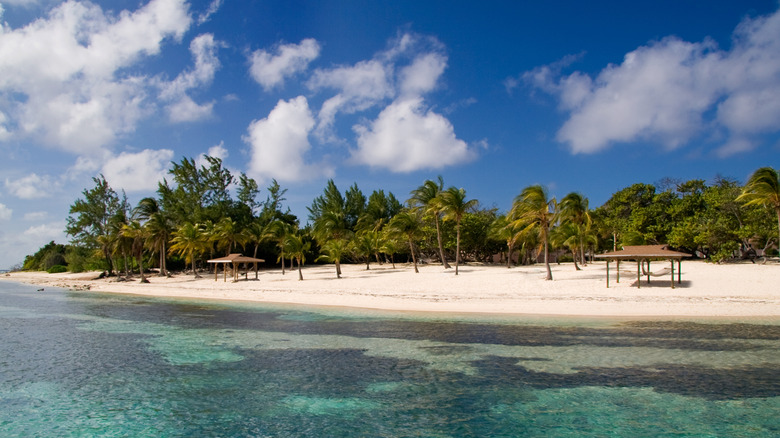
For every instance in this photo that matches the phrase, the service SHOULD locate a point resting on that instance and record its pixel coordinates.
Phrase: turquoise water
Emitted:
(78, 364)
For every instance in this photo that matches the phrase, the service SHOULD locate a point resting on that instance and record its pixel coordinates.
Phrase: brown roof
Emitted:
(644, 252)
(236, 258)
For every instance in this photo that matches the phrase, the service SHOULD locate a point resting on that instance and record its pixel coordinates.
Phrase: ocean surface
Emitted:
(78, 364)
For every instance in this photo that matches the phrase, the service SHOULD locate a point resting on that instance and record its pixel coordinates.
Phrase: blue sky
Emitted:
(494, 96)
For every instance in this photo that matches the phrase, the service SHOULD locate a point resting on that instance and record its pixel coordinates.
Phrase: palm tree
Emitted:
(532, 209)
(278, 230)
(567, 235)
(763, 188)
(135, 231)
(502, 228)
(574, 209)
(228, 235)
(407, 224)
(389, 245)
(257, 233)
(453, 206)
(333, 251)
(330, 220)
(188, 241)
(426, 197)
(158, 225)
(367, 244)
(295, 246)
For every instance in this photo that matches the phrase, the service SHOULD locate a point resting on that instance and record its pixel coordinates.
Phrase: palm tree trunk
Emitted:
(282, 256)
(575, 254)
(778, 227)
(192, 257)
(509, 255)
(547, 260)
(414, 259)
(140, 258)
(338, 269)
(300, 274)
(457, 248)
(441, 245)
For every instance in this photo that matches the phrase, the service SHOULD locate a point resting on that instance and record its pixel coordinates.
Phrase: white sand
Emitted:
(707, 290)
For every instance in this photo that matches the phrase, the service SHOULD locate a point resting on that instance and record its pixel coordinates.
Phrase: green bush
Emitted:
(56, 269)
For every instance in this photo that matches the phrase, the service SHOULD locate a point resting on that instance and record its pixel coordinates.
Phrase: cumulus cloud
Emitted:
(280, 143)
(183, 108)
(69, 69)
(32, 186)
(667, 92)
(5, 212)
(271, 69)
(407, 137)
(140, 171)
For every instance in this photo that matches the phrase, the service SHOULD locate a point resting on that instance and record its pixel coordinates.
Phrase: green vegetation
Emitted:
(194, 217)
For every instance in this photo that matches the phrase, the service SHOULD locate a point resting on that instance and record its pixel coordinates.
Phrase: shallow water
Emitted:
(87, 364)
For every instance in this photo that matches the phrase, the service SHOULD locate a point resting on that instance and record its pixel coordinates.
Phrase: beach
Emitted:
(707, 290)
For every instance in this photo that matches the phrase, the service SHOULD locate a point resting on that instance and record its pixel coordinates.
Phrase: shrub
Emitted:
(56, 269)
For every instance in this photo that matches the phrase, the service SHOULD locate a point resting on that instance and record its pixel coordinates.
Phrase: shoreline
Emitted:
(707, 290)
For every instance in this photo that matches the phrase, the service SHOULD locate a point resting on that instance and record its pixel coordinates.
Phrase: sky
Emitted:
(493, 96)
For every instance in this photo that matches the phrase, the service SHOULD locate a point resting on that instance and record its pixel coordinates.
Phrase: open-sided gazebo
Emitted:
(645, 254)
(235, 261)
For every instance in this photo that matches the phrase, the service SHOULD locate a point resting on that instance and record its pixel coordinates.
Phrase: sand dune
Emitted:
(707, 290)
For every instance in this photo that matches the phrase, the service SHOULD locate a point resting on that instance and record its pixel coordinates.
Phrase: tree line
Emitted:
(205, 212)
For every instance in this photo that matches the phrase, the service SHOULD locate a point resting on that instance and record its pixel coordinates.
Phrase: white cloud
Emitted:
(68, 68)
(5, 212)
(279, 143)
(407, 137)
(667, 92)
(36, 216)
(213, 8)
(216, 151)
(44, 232)
(359, 87)
(183, 108)
(270, 70)
(139, 171)
(422, 75)
(31, 186)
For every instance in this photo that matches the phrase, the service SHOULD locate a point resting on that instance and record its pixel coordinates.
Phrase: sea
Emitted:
(86, 364)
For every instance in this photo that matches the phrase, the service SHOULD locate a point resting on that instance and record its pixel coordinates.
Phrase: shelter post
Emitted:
(672, 261)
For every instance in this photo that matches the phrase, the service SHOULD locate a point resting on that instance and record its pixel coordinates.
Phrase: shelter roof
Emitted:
(236, 258)
(644, 252)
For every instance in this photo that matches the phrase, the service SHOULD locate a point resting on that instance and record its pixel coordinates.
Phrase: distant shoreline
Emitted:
(707, 290)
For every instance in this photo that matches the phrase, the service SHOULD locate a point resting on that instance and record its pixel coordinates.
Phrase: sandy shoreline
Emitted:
(708, 290)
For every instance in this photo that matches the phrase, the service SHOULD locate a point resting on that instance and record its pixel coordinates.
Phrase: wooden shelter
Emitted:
(235, 261)
(644, 254)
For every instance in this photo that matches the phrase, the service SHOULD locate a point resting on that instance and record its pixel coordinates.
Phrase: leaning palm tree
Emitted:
(532, 209)
(158, 225)
(407, 223)
(135, 231)
(453, 207)
(763, 188)
(574, 209)
(189, 240)
(296, 247)
(426, 198)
